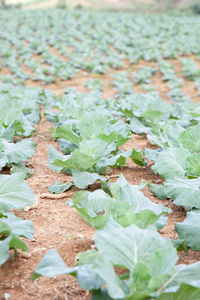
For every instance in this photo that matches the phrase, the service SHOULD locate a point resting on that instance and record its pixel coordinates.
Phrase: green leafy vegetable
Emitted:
(16, 153)
(190, 138)
(171, 163)
(11, 228)
(184, 192)
(14, 192)
(129, 206)
(189, 230)
(59, 187)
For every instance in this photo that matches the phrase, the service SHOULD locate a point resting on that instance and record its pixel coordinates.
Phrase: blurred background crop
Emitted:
(149, 6)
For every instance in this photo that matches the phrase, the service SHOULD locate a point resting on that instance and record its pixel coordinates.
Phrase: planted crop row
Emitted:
(20, 111)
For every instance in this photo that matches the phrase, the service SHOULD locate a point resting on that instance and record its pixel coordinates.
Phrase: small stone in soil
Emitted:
(157, 181)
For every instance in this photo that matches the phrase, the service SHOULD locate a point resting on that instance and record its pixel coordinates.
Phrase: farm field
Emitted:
(100, 110)
(92, 4)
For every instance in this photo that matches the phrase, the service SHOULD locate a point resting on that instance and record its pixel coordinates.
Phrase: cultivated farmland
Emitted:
(99, 155)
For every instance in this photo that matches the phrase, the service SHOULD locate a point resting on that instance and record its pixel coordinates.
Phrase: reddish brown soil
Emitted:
(59, 226)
